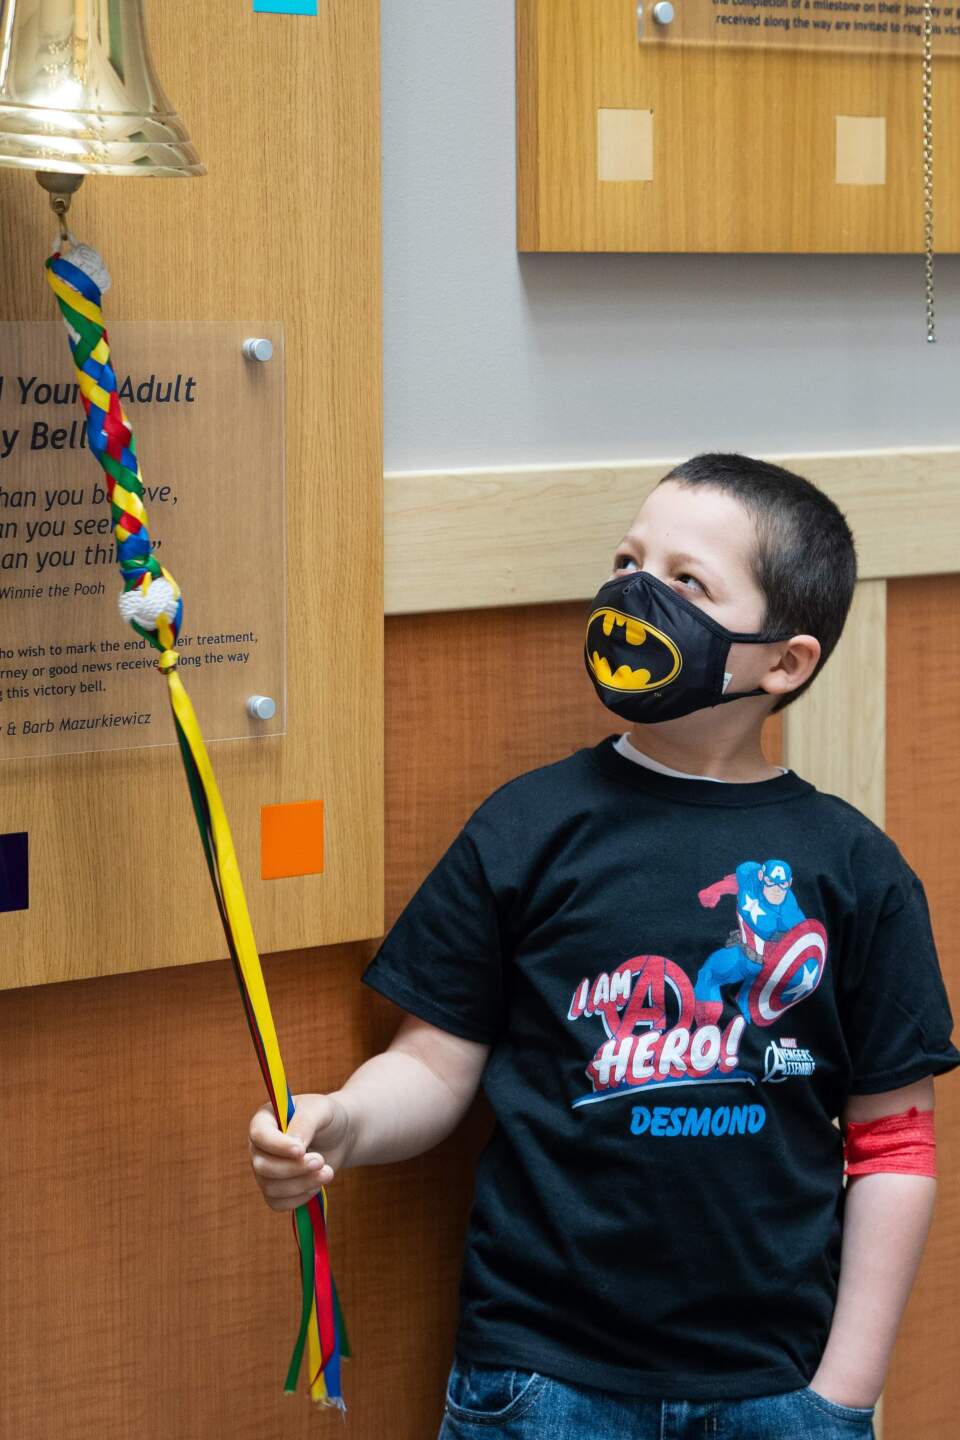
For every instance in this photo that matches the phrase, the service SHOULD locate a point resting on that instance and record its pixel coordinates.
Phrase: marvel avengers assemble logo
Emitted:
(786, 1059)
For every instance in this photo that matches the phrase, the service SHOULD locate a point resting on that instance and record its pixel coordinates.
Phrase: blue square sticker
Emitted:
(14, 889)
(285, 7)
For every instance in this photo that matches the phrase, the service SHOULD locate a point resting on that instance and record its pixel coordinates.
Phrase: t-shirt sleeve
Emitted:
(894, 1007)
(443, 960)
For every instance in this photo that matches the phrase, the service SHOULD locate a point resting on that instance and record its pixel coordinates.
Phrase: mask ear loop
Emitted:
(761, 639)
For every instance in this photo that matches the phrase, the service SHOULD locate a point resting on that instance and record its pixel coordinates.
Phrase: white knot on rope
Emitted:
(87, 259)
(146, 606)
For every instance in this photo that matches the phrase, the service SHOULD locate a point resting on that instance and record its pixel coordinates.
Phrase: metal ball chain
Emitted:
(928, 165)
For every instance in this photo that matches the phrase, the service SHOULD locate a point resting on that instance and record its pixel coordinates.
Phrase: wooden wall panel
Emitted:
(903, 507)
(487, 694)
(834, 735)
(149, 1291)
(744, 140)
(922, 1396)
(287, 231)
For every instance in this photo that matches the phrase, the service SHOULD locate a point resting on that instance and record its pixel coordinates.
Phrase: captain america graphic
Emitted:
(767, 910)
(664, 1030)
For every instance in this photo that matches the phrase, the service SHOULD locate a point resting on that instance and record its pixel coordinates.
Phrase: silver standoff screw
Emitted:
(258, 349)
(261, 707)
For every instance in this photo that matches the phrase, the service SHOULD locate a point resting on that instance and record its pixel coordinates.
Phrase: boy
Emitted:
(671, 964)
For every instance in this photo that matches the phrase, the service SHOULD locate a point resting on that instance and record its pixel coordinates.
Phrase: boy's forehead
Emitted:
(697, 520)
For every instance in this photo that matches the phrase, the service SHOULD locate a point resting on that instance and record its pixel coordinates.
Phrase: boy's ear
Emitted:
(794, 664)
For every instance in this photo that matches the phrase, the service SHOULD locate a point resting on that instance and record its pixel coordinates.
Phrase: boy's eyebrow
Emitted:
(678, 557)
(681, 558)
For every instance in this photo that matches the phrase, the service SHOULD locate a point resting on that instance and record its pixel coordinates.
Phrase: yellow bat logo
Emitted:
(610, 634)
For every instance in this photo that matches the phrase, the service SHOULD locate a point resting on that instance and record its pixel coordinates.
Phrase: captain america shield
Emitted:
(792, 969)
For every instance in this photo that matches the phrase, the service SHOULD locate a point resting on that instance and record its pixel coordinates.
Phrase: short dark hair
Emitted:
(805, 560)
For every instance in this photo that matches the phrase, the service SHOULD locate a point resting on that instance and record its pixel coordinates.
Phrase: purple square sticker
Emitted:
(14, 889)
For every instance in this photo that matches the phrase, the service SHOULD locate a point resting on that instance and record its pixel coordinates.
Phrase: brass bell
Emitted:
(79, 96)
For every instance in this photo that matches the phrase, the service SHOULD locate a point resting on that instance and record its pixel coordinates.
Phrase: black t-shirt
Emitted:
(681, 982)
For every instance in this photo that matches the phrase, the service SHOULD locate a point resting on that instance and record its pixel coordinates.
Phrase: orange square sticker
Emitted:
(291, 839)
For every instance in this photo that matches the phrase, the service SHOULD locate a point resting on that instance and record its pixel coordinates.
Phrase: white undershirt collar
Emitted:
(626, 748)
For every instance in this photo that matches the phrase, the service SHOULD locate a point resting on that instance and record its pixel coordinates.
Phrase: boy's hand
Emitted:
(291, 1165)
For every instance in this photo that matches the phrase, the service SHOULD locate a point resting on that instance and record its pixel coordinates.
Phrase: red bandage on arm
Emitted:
(903, 1143)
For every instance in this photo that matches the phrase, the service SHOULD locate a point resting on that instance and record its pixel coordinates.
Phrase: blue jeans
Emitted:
(525, 1405)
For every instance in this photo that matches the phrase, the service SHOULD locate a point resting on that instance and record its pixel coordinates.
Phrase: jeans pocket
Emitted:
(490, 1394)
(833, 1407)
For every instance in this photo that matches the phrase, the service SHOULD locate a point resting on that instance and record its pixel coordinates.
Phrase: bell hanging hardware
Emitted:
(79, 96)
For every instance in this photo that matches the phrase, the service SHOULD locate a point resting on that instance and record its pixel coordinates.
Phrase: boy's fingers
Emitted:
(265, 1134)
(269, 1167)
(299, 1189)
(308, 1118)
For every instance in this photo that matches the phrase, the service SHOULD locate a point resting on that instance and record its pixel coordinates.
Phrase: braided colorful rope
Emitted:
(152, 603)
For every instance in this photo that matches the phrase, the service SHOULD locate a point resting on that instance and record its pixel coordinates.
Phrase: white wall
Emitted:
(493, 358)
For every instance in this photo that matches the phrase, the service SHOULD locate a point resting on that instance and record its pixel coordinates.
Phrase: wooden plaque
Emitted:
(284, 112)
(701, 136)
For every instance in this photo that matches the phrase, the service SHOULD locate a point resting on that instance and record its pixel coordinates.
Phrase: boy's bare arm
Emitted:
(397, 1104)
(413, 1095)
(887, 1217)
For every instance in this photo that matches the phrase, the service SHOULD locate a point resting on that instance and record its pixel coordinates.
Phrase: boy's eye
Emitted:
(623, 564)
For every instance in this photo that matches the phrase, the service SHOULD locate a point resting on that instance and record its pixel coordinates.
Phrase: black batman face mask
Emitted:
(654, 655)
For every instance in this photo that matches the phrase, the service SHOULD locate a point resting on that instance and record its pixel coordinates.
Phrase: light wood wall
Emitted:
(744, 140)
(546, 533)
(286, 231)
(524, 535)
(835, 734)
(148, 1289)
(922, 1396)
